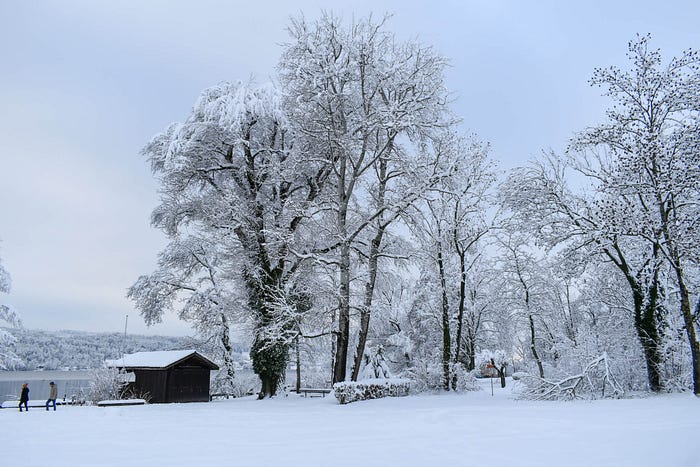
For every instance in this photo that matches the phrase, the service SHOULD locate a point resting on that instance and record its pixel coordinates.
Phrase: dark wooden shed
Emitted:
(168, 376)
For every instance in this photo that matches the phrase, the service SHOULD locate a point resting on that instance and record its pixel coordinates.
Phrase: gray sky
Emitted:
(85, 84)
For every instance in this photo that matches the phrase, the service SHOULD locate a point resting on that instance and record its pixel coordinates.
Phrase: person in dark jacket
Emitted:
(52, 396)
(24, 397)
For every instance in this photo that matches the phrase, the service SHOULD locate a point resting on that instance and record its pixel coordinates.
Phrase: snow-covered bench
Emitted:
(312, 392)
(120, 402)
(221, 395)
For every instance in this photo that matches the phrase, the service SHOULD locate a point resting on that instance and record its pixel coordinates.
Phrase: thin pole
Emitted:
(126, 321)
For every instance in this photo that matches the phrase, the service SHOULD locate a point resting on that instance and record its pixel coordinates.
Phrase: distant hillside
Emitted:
(56, 350)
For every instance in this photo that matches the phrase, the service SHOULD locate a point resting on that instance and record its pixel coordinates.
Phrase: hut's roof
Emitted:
(159, 359)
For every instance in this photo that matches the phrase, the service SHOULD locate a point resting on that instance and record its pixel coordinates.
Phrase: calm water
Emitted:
(69, 383)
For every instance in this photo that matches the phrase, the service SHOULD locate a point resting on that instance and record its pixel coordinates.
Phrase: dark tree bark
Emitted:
(365, 313)
(343, 332)
(446, 350)
(645, 298)
(226, 344)
(533, 347)
(690, 329)
(460, 313)
(501, 371)
(533, 341)
(471, 350)
(297, 355)
(372, 266)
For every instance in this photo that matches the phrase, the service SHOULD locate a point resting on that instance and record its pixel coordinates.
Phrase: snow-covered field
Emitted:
(473, 429)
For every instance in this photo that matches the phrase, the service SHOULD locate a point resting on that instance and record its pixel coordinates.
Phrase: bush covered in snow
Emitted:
(107, 384)
(114, 384)
(243, 384)
(351, 391)
(466, 380)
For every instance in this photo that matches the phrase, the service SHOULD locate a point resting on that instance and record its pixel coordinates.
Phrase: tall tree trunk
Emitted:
(367, 305)
(570, 326)
(269, 362)
(533, 341)
(471, 348)
(691, 332)
(644, 299)
(268, 355)
(342, 336)
(533, 347)
(460, 313)
(226, 344)
(648, 333)
(297, 351)
(373, 264)
(689, 321)
(676, 263)
(343, 193)
(446, 350)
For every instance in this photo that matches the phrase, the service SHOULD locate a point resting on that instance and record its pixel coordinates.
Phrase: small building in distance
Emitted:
(168, 376)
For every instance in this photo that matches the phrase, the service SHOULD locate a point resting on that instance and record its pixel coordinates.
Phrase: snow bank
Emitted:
(469, 429)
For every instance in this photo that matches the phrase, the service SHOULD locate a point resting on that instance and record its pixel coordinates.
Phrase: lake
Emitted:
(69, 383)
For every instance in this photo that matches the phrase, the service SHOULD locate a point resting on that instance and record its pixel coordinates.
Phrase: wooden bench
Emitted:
(312, 392)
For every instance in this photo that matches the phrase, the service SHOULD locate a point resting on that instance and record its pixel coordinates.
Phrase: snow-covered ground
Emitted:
(472, 429)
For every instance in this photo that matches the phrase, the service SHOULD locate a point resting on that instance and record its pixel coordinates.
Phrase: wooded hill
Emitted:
(56, 350)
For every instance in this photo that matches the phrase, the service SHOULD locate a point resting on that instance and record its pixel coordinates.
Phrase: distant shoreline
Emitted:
(41, 375)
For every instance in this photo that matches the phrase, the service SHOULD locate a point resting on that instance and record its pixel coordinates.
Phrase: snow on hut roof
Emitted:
(159, 359)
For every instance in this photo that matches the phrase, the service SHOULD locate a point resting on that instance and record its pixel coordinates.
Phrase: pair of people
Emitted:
(24, 397)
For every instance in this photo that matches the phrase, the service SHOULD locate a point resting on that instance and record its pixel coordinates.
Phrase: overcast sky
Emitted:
(85, 84)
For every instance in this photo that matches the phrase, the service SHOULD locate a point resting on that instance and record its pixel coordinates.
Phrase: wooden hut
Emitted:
(168, 376)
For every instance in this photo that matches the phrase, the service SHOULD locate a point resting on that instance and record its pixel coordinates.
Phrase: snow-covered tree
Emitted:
(194, 279)
(482, 310)
(496, 360)
(637, 206)
(365, 103)
(8, 359)
(233, 175)
(583, 225)
(653, 139)
(524, 291)
(449, 223)
(376, 365)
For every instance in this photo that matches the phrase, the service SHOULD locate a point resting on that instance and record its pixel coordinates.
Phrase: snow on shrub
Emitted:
(243, 384)
(466, 380)
(107, 383)
(351, 391)
(375, 365)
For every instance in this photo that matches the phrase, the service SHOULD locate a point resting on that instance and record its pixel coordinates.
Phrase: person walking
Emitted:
(24, 397)
(52, 396)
